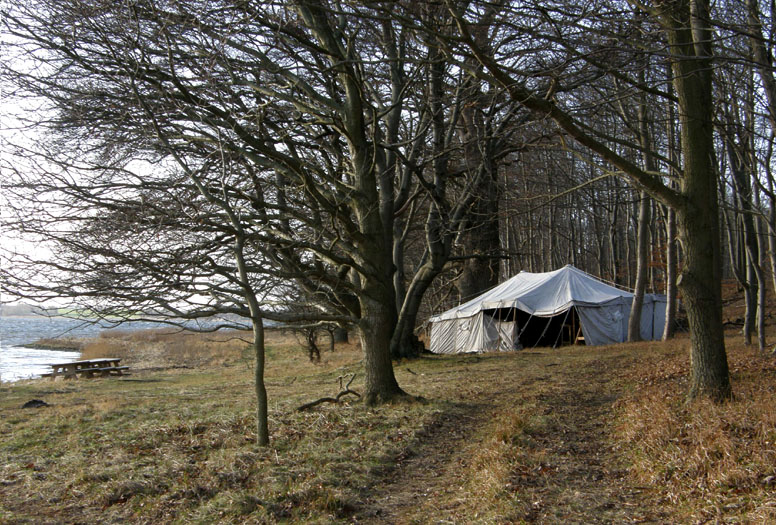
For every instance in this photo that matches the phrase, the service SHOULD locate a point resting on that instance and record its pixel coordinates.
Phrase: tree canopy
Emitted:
(198, 158)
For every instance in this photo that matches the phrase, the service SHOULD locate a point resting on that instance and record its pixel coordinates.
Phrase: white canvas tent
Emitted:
(544, 309)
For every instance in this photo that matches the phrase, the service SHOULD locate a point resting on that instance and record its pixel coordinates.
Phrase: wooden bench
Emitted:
(104, 371)
(102, 367)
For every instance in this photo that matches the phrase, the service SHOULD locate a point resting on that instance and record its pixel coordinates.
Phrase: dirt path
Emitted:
(578, 479)
(586, 481)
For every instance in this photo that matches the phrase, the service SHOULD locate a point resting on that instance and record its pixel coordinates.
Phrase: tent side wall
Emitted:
(601, 325)
(477, 333)
(605, 324)
(653, 317)
(480, 333)
(608, 324)
(532, 309)
(507, 336)
(443, 336)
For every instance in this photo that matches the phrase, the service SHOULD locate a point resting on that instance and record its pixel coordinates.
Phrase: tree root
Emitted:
(344, 390)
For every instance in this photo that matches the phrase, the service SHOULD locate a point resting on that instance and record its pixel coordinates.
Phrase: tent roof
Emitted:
(542, 294)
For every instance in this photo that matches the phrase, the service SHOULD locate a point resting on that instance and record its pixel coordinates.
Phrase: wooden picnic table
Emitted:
(104, 366)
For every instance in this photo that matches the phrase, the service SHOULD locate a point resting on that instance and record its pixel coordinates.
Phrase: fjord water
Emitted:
(18, 362)
(22, 362)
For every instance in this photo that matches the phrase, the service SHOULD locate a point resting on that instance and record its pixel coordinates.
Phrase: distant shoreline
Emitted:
(68, 347)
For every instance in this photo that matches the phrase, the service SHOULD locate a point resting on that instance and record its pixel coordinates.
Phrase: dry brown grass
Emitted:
(710, 461)
(165, 348)
(534, 436)
(168, 347)
(496, 463)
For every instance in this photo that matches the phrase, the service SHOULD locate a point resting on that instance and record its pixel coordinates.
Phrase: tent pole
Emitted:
(546, 327)
(530, 316)
(560, 332)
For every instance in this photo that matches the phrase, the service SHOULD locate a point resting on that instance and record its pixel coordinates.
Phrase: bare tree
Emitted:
(319, 133)
(686, 28)
(263, 114)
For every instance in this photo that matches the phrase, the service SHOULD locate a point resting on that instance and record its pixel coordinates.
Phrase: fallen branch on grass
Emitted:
(344, 390)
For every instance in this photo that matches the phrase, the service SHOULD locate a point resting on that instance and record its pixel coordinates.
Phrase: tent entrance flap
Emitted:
(558, 330)
(501, 329)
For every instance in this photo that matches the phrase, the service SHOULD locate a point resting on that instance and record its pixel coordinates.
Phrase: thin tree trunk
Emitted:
(399, 277)
(738, 155)
(257, 324)
(634, 322)
(771, 213)
(642, 235)
(262, 406)
(672, 248)
(671, 266)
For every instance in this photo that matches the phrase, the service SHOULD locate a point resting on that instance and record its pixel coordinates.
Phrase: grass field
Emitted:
(575, 435)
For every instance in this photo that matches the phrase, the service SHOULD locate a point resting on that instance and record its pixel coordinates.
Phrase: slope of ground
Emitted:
(531, 442)
(575, 435)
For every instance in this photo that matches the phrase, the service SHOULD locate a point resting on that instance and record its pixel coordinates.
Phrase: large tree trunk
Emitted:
(404, 342)
(376, 327)
(699, 282)
(698, 217)
(372, 192)
(481, 271)
(481, 236)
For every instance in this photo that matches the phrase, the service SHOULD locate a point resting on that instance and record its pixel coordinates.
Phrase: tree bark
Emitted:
(257, 325)
(751, 256)
(700, 280)
(404, 343)
(671, 266)
(376, 327)
(642, 235)
(375, 237)
(771, 219)
(634, 322)
(262, 406)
